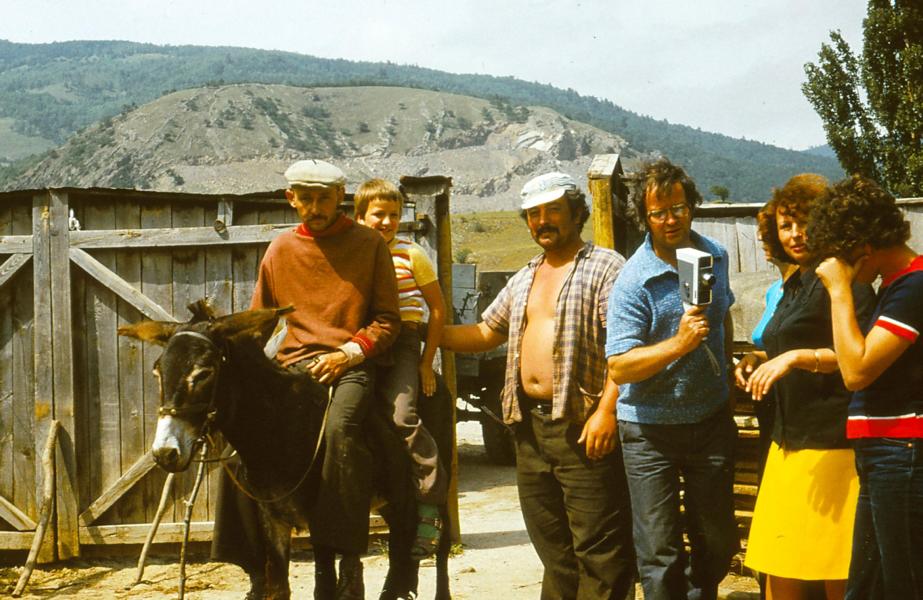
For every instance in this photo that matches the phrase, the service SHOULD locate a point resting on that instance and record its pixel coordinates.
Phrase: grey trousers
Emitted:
(399, 387)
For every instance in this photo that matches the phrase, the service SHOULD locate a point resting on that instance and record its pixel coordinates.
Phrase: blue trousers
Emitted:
(656, 457)
(887, 551)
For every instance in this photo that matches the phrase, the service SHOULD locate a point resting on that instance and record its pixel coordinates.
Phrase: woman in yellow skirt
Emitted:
(803, 521)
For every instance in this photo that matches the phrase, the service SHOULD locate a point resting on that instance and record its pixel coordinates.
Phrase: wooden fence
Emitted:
(74, 266)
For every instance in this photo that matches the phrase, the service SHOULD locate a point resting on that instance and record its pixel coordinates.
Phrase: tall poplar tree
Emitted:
(872, 105)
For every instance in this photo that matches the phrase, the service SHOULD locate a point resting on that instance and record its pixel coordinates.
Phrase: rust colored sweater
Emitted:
(341, 283)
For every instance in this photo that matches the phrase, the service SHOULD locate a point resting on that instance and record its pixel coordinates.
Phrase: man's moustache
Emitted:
(546, 229)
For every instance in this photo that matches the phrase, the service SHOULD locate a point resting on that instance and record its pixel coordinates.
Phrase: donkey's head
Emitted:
(194, 357)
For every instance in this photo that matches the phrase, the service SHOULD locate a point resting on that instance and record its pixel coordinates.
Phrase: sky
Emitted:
(729, 66)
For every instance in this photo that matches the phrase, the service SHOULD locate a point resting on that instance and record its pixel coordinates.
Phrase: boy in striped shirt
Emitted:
(378, 205)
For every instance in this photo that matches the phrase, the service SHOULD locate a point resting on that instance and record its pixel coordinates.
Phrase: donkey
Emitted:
(214, 377)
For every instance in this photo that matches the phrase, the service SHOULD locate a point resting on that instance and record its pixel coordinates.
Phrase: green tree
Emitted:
(721, 192)
(872, 105)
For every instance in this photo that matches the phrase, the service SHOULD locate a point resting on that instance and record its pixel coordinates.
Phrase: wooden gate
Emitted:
(75, 265)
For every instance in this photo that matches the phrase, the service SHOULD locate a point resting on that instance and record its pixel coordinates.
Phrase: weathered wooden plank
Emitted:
(15, 540)
(119, 286)
(245, 265)
(167, 533)
(6, 366)
(42, 335)
(16, 244)
(66, 501)
(131, 397)
(108, 498)
(750, 248)
(102, 351)
(157, 285)
(172, 238)
(188, 286)
(218, 273)
(86, 405)
(725, 233)
(171, 533)
(11, 513)
(11, 266)
(25, 484)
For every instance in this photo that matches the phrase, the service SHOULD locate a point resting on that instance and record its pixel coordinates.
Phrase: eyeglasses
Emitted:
(677, 210)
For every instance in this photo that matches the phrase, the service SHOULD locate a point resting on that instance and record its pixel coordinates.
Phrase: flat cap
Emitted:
(546, 188)
(314, 173)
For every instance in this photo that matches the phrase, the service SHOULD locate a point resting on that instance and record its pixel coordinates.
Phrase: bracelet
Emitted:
(816, 362)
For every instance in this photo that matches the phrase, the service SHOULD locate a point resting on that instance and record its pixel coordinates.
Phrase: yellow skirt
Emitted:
(803, 522)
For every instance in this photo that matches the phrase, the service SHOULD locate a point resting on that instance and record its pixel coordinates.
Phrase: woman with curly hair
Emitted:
(865, 235)
(802, 524)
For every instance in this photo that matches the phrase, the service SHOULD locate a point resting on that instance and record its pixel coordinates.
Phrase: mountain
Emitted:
(49, 91)
(241, 138)
(823, 150)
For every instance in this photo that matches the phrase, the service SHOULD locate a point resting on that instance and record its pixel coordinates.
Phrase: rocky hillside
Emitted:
(240, 138)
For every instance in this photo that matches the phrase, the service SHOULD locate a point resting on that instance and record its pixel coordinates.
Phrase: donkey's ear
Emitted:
(256, 325)
(157, 332)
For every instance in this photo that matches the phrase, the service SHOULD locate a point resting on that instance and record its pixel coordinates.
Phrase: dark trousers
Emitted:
(656, 456)
(887, 551)
(339, 518)
(576, 512)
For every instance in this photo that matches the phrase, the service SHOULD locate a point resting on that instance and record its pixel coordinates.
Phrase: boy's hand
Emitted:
(836, 273)
(427, 379)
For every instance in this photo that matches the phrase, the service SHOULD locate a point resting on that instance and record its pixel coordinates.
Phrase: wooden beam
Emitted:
(603, 180)
(16, 540)
(170, 237)
(66, 500)
(118, 489)
(11, 513)
(167, 533)
(15, 244)
(42, 335)
(11, 266)
(122, 288)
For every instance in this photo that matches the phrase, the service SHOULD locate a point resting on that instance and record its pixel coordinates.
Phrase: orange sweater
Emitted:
(341, 284)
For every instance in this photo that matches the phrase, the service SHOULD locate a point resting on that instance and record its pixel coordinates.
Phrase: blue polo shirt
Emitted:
(645, 308)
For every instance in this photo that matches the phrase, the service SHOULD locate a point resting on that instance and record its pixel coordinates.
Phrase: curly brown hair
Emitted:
(794, 199)
(660, 174)
(855, 212)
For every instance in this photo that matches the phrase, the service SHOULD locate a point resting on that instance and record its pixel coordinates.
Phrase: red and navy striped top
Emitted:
(892, 405)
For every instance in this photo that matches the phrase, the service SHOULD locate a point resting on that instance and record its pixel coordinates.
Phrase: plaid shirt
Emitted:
(579, 371)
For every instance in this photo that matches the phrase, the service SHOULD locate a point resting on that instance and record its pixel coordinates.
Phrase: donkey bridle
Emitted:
(211, 412)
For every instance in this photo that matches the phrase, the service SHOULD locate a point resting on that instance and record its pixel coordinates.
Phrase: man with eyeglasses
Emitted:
(674, 417)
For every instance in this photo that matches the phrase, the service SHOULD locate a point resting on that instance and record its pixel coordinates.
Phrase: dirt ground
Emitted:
(496, 559)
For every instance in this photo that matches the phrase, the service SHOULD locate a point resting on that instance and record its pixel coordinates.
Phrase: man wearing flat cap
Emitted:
(339, 277)
(552, 314)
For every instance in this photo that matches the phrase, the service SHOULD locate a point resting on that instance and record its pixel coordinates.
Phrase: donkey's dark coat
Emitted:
(272, 418)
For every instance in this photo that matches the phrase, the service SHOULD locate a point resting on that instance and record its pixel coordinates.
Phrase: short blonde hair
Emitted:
(375, 189)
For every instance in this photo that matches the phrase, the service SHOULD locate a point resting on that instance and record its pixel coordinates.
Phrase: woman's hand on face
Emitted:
(834, 272)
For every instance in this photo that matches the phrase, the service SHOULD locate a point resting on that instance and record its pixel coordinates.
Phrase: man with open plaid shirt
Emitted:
(570, 475)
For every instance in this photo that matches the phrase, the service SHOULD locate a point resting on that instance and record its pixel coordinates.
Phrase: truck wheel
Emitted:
(498, 442)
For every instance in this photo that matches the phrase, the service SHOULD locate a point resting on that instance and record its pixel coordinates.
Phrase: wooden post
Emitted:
(604, 177)
(444, 246)
(48, 493)
(66, 505)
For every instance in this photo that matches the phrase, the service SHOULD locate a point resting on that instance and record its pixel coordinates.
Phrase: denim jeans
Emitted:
(887, 551)
(656, 456)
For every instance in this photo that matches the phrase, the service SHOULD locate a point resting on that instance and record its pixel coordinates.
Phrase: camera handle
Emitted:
(711, 355)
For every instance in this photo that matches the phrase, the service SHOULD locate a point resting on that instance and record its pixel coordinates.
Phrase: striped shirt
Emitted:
(413, 270)
(579, 371)
(892, 405)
